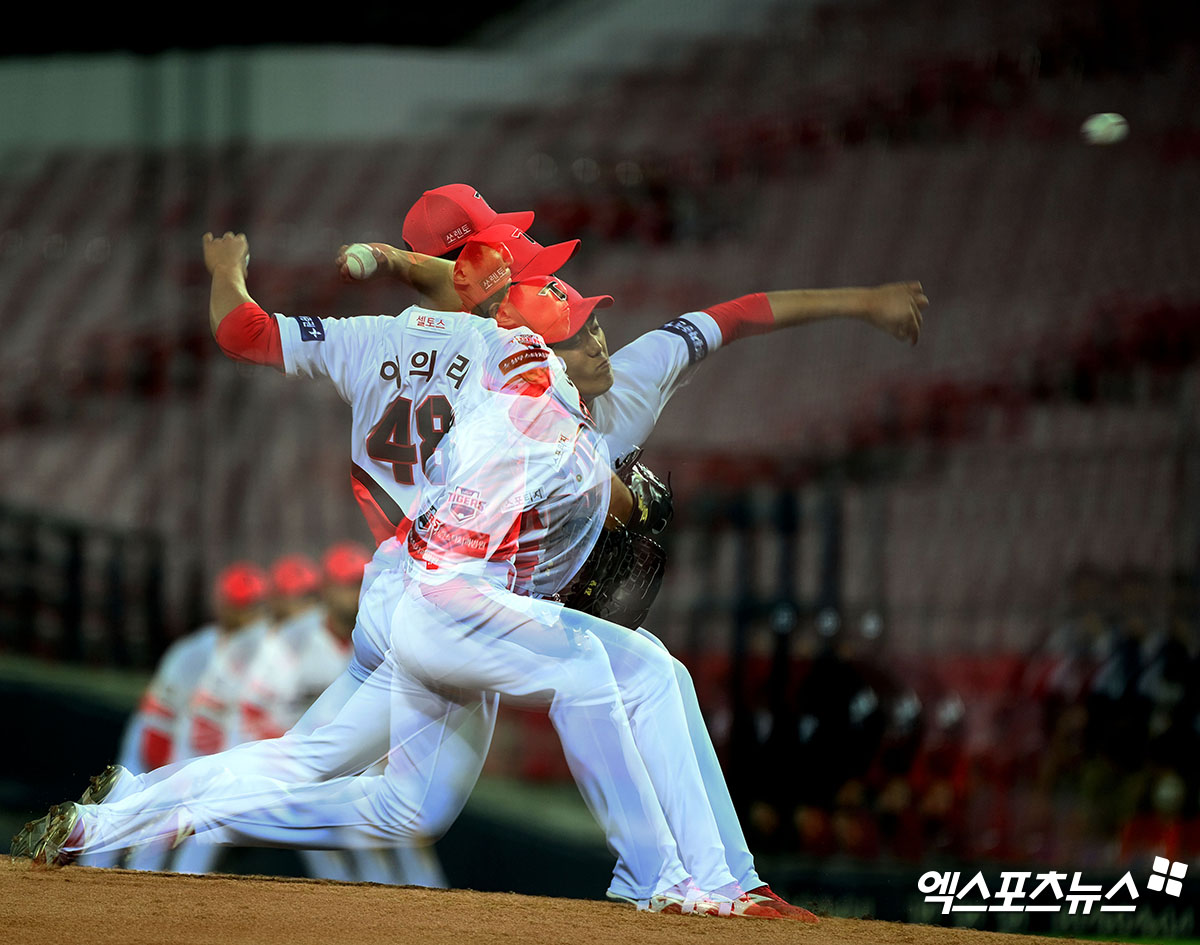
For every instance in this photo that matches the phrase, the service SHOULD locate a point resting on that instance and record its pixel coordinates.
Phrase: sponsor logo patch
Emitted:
(311, 328)
(514, 361)
(429, 322)
(490, 281)
(459, 232)
(522, 501)
(693, 337)
(446, 537)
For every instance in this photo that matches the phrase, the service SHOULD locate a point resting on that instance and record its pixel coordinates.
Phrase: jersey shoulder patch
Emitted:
(522, 358)
(692, 336)
(310, 327)
(529, 340)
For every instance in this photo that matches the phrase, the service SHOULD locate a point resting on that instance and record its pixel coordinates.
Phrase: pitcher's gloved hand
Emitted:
(652, 505)
(619, 580)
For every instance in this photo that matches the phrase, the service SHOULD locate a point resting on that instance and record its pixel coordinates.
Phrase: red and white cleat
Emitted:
(743, 905)
(765, 897)
(687, 898)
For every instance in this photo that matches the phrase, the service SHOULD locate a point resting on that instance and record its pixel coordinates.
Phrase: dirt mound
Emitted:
(78, 904)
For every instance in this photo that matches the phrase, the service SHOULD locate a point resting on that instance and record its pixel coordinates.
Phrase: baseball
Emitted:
(360, 261)
(1105, 128)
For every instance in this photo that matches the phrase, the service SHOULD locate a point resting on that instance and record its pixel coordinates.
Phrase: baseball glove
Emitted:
(620, 578)
(652, 505)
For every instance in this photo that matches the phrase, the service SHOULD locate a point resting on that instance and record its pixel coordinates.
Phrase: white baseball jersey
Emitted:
(167, 697)
(402, 375)
(211, 723)
(646, 374)
(323, 655)
(292, 666)
(525, 491)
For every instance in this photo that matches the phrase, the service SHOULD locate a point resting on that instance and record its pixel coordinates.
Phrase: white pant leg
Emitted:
(368, 811)
(301, 759)
(358, 738)
(147, 856)
(397, 866)
(193, 857)
(413, 866)
(400, 865)
(330, 864)
(482, 637)
(321, 759)
(645, 674)
(251, 773)
(352, 740)
(737, 851)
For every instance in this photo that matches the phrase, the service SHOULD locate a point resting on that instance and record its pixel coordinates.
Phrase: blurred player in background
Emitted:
(158, 731)
(307, 652)
(295, 589)
(210, 721)
(303, 652)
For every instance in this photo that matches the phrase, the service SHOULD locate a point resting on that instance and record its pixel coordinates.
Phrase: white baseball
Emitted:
(1105, 128)
(360, 261)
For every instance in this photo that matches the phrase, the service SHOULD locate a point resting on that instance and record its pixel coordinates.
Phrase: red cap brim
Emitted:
(521, 219)
(581, 306)
(548, 260)
(585, 305)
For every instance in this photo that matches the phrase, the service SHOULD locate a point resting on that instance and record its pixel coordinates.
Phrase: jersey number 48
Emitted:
(391, 441)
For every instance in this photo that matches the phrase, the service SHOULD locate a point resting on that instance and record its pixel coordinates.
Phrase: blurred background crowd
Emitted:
(937, 603)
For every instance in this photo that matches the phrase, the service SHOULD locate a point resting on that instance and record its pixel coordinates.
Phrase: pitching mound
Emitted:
(99, 907)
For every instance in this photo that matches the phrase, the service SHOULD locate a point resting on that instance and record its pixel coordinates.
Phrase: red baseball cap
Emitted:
(482, 269)
(295, 576)
(241, 584)
(539, 304)
(344, 563)
(582, 306)
(531, 304)
(446, 217)
(530, 258)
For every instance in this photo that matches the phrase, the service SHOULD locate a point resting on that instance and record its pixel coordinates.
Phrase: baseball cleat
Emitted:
(660, 902)
(689, 899)
(29, 838)
(763, 895)
(743, 905)
(65, 828)
(103, 786)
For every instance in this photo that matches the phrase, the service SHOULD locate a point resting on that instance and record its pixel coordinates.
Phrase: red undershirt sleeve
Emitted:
(250, 334)
(743, 317)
